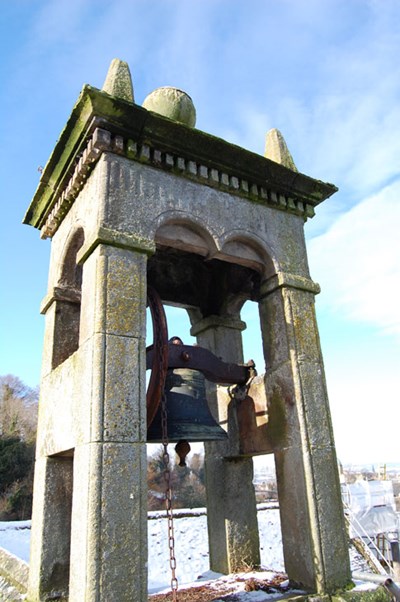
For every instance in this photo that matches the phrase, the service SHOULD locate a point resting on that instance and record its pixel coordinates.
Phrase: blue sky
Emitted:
(325, 72)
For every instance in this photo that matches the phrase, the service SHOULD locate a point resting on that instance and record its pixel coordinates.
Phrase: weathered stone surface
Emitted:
(276, 149)
(231, 517)
(108, 523)
(124, 292)
(298, 550)
(140, 201)
(232, 514)
(376, 595)
(145, 200)
(300, 313)
(118, 82)
(9, 593)
(307, 476)
(51, 527)
(58, 428)
(124, 419)
(172, 103)
(15, 571)
(114, 293)
(272, 321)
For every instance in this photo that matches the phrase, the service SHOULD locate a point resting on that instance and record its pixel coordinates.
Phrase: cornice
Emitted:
(100, 123)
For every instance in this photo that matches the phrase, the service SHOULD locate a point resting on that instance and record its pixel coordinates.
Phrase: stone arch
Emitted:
(71, 271)
(179, 230)
(249, 250)
(189, 270)
(68, 298)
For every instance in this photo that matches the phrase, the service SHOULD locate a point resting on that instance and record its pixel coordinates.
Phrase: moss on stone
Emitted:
(376, 595)
(118, 82)
(172, 103)
(96, 108)
(277, 423)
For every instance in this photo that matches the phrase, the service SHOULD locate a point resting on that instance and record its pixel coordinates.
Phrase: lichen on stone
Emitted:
(118, 81)
(276, 149)
(172, 103)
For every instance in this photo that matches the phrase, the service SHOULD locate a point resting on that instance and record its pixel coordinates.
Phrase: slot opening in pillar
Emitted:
(59, 485)
(67, 296)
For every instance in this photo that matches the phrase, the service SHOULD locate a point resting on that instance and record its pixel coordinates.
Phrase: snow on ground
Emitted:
(191, 547)
(15, 537)
(191, 544)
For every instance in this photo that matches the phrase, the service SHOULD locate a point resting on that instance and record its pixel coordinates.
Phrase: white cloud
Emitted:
(363, 383)
(291, 65)
(354, 134)
(357, 261)
(365, 414)
(335, 97)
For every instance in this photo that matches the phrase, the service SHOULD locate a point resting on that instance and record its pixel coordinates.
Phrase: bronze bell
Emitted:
(188, 415)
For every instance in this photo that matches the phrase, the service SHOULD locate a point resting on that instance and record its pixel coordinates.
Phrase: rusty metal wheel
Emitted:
(159, 365)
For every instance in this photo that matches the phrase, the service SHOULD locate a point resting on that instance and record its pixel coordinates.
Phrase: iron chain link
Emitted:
(166, 461)
(168, 498)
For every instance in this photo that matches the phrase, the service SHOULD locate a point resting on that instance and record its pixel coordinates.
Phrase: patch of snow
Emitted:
(191, 549)
(361, 586)
(191, 546)
(15, 538)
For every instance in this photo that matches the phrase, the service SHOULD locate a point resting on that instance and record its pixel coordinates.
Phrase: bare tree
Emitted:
(18, 408)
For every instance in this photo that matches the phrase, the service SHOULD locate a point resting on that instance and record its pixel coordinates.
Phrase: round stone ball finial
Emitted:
(172, 103)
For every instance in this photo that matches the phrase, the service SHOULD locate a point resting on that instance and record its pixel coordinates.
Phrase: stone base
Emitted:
(14, 574)
(9, 593)
(14, 582)
(378, 594)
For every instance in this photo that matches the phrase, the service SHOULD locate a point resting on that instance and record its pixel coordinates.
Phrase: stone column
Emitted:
(102, 541)
(231, 504)
(109, 509)
(51, 527)
(313, 530)
(49, 564)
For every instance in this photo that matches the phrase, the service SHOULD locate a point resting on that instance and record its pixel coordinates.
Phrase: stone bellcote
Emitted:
(133, 196)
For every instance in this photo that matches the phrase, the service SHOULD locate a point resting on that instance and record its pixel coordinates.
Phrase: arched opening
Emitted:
(264, 481)
(210, 289)
(188, 492)
(252, 340)
(68, 302)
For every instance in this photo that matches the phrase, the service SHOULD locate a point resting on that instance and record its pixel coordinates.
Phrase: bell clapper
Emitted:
(182, 448)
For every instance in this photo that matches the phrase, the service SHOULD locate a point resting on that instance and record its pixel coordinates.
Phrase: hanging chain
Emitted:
(158, 344)
(168, 498)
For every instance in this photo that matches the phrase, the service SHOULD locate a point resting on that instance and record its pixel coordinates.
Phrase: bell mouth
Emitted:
(188, 419)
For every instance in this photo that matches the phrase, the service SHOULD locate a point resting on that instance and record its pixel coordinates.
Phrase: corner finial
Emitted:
(118, 81)
(277, 150)
(172, 103)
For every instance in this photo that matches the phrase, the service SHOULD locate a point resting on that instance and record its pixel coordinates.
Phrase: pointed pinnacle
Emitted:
(277, 150)
(118, 81)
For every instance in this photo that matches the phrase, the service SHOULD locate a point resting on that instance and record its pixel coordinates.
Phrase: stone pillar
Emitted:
(109, 524)
(51, 527)
(313, 530)
(61, 308)
(107, 540)
(231, 503)
(109, 511)
(395, 549)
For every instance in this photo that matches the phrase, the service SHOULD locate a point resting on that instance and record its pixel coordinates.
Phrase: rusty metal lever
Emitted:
(203, 360)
